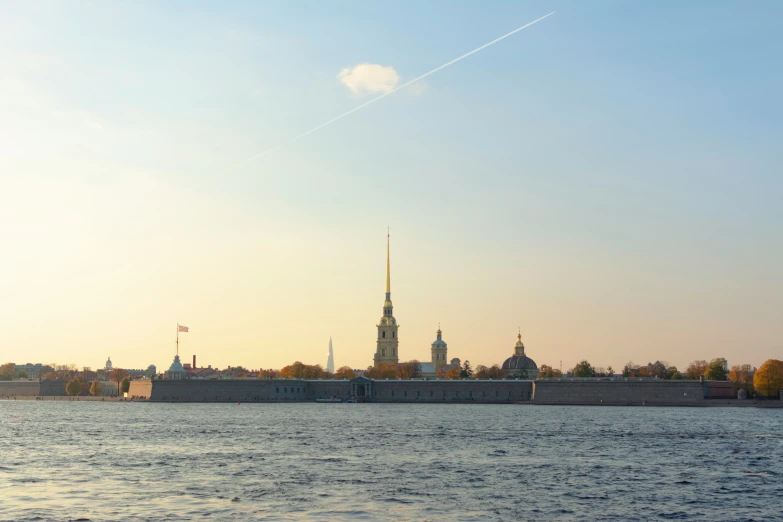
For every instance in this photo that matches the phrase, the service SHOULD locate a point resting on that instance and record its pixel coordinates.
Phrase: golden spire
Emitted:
(388, 276)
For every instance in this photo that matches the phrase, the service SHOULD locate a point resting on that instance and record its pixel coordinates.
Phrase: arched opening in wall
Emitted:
(383, 334)
(394, 335)
(360, 391)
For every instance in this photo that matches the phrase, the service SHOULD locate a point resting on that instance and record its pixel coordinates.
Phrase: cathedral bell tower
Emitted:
(388, 342)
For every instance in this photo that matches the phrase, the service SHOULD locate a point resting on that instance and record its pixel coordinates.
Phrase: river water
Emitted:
(152, 461)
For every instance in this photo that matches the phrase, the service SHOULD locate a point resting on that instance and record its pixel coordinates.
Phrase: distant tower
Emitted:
(108, 364)
(386, 350)
(330, 361)
(439, 350)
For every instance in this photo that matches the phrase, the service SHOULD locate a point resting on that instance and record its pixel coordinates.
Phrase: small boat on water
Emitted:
(336, 400)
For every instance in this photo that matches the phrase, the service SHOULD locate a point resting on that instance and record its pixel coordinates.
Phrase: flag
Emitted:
(182, 328)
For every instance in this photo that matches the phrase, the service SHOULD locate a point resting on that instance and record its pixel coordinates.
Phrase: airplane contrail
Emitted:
(362, 106)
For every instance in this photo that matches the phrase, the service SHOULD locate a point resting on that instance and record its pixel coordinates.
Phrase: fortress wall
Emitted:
(567, 391)
(20, 388)
(262, 390)
(478, 391)
(140, 388)
(328, 389)
(53, 388)
(228, 390)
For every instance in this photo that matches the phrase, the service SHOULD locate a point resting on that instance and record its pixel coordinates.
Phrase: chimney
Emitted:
(194, 360)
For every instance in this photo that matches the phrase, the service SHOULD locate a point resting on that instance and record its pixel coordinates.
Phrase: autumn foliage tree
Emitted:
(696, 370)
(95, 388)
(409, 370)
(382, 371)
(125, 385)
(117, 375)
(268, 374)
(768, 379)
(344, 372)
(742, 377)
(299, 370)
(7, 371)
(547, 372)
(493, 372)
(74, 387)
(454, 373)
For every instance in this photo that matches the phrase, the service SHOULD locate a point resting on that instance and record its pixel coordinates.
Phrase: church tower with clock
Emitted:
(388, 341)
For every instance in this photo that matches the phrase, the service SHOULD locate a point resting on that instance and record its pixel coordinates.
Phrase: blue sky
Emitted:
(608, 179)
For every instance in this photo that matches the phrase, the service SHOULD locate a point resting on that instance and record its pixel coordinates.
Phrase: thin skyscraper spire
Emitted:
(330, 361)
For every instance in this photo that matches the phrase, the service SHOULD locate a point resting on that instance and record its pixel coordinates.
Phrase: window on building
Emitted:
(406, 393)
(392, 393)
(497, 393)
(394, 334)
(383, 334)
(277, 390)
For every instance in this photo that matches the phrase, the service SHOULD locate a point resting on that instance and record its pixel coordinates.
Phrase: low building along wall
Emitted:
(618, 392)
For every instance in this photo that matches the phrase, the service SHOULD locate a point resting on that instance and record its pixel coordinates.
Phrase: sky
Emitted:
(607, 180)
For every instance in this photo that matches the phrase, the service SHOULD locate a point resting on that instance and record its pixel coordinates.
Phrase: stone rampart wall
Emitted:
(241, 390)
(262, 390)
(478, 391)
(566, 391)
(19, 388)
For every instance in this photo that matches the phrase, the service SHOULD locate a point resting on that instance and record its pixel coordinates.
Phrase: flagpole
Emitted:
(177, 338)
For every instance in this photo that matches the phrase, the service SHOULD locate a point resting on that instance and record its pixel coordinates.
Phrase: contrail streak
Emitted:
(406, 84)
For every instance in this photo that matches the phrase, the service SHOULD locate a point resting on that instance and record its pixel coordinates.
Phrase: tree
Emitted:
(676, 376)
(409, 370)
(117, 375)
(609, 371)
(768, 379)
(74, 387)
(584, 369)
(454, 373)
(716, 370)
(49, 376)
(21, 374)
(493, 372)
(299, 370)
(670, 372)
(125, 385)
(268, 374)
(742, 377)
(95, 389)
(467, 371)
(696, 370)
(345, 372)
(382, 371)
(7, 371)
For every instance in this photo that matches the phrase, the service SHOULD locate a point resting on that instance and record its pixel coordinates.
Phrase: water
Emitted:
(111, 461)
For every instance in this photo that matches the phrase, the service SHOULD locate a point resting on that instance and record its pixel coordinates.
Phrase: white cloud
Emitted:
(369, 78)
(418, 88)
(92, 123)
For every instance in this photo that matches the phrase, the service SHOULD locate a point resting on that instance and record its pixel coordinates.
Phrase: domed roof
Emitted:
(388, 321)
(519, 362)
(176, 366)
(108, 364)
(439, 342)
